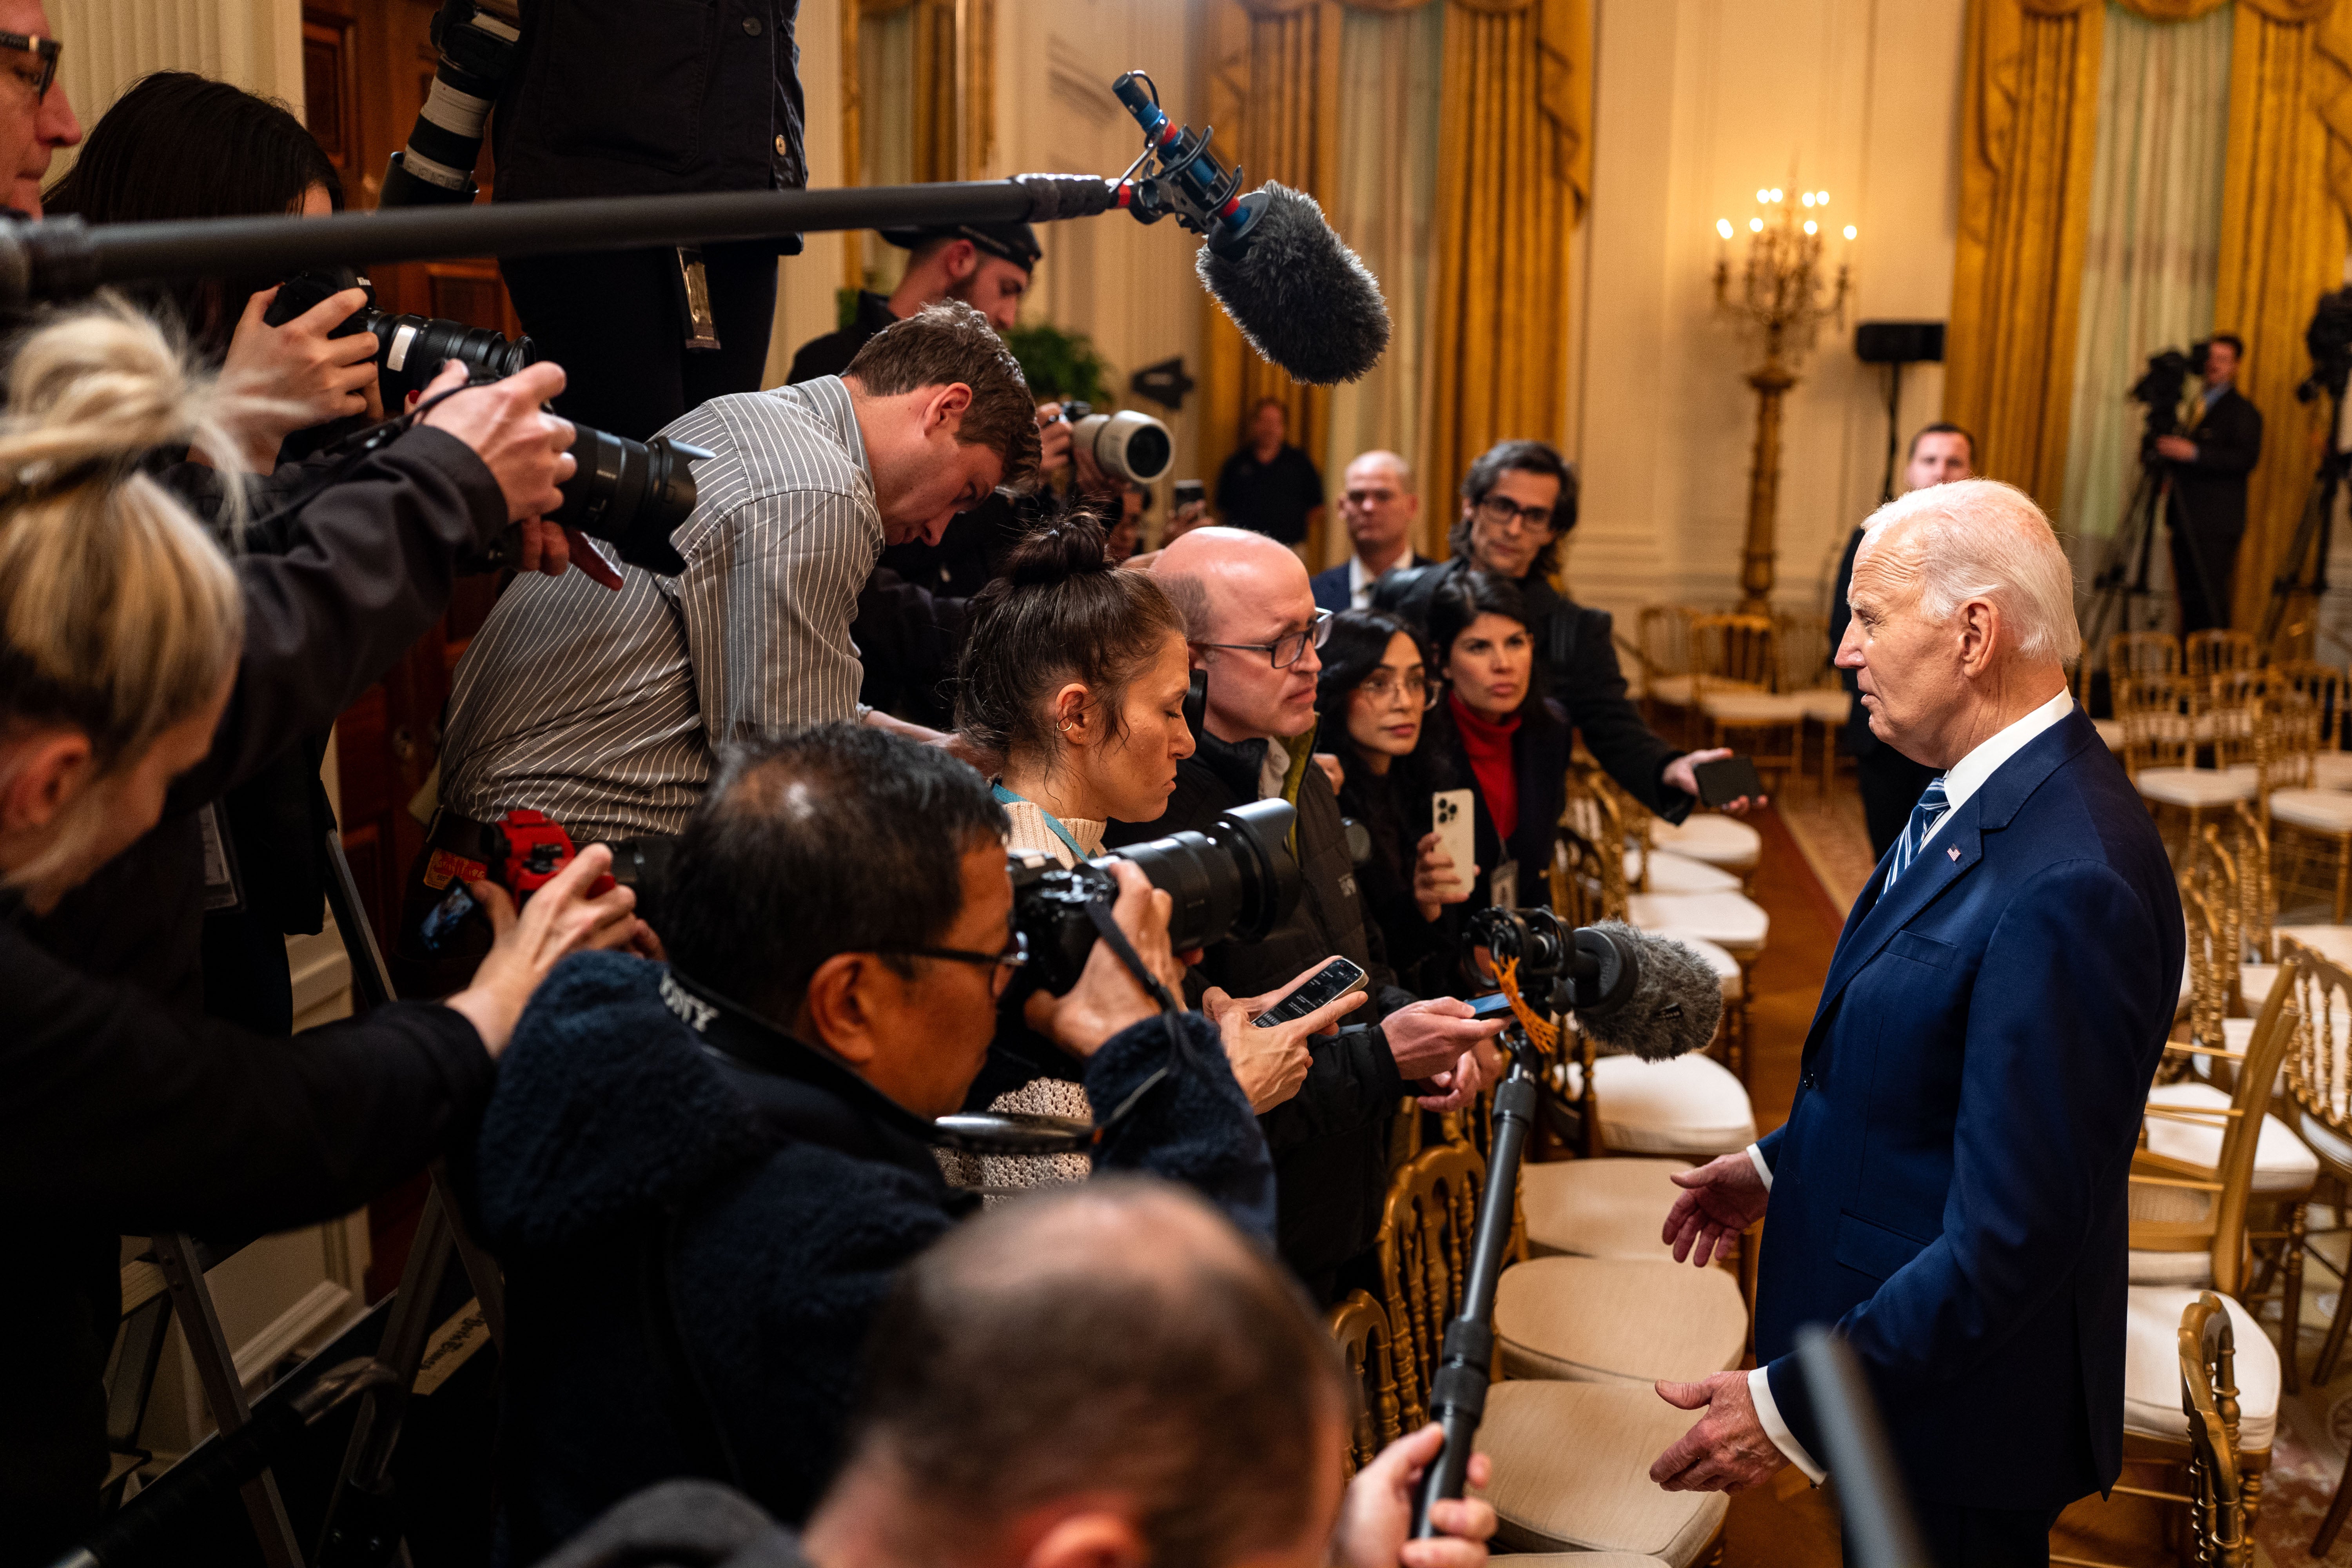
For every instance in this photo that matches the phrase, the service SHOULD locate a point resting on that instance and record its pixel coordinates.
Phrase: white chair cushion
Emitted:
(1732, 921)
(2195, 786)
(1598, 1208)
(1674, 691)
(2194, 1270)
(1711, 836)
(2332, 769)
(2333, 944)
(1673, 873)
(1572, 1472)
(2152, 1368)
(1830, 705)
(1753, 707)
(1619, 1319)
(2325, 1141)
(2254, 982)
(2111, 730)
(2321, 810)
(1691, 1106)
(2282, 1161)
(1726, 967)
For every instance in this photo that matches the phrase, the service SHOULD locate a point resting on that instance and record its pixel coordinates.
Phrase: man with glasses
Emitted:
(1379, 506)
(35, 118)
(1254, 628)
(702, 1177)
(1519, 501)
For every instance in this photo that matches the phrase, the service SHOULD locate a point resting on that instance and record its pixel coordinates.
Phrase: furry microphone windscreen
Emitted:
(1301, 297)
(1675, 1004)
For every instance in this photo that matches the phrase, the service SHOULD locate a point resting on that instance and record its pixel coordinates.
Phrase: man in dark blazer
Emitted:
(1889, 781)
(1948, 1190)
(1519, 501)
(1379, 506)
(2207, 509)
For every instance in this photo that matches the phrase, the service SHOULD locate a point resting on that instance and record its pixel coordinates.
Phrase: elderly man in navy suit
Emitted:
(1948, 1190)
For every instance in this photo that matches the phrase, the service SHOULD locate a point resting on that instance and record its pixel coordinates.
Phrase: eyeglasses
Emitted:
(1417, 689)
(45, 50)
(1503, 513)
(1289, 649)
(1015, 954)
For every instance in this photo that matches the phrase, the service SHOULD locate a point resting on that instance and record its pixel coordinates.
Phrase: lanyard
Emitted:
(1006, 797)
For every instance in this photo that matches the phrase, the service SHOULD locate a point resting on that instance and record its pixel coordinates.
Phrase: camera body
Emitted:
(1236, 881)
(410, 350)
(1127, 445)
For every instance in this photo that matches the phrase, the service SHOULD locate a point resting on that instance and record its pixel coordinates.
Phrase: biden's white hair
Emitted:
(1980, 539)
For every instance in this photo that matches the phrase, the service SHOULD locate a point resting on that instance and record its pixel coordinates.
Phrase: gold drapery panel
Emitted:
(955, 91)
(2283, 243)
(1514, 167)
(2029, 128)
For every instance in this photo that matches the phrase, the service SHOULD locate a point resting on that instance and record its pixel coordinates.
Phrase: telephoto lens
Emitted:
(1237, 881)
(631, 493)
(410, 350)
(1127, 445)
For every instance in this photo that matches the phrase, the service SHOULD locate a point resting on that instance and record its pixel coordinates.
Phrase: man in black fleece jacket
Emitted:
(702, 1179)
(1250, 615)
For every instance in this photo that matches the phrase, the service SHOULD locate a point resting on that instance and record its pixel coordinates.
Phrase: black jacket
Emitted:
(2210, 492)
(831, 355)
(618, 98)
(1394, 809)
(1539, 749)
(118, 1115)
(618, 1157)
(1330, 1140)
(1856, 739)
(1578, 652)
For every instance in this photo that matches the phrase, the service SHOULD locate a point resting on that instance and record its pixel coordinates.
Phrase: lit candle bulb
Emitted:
(1810, 226)
(1723, 227)
(1756, 225)
(1776, 193)
(1807, 198)
(1763, 197)
(1849, 234)
(1821, 198)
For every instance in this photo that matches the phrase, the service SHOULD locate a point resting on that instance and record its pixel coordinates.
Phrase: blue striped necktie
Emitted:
(1924, 818)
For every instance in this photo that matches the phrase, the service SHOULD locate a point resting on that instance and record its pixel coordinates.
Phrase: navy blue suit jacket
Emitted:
(1331, 584)
(1949, 1187)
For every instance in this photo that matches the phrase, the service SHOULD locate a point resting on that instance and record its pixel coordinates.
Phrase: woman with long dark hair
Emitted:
(1372, 701)
(178, 145)
(1495, 734)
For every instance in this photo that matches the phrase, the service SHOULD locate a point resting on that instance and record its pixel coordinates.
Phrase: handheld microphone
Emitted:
(1299, 296)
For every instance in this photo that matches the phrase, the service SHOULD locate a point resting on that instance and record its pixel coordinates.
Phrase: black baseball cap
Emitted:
(1014, 242)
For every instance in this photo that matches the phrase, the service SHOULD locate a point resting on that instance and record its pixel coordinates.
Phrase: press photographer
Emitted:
(840, 921)
(2208, 465)
(135, 656)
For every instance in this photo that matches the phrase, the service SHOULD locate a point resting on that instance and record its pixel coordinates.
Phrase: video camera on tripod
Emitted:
(2160, 388)
(632, 494)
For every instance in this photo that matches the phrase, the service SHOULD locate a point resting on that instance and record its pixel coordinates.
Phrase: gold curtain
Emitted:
(1273, 98)
(954, 70)
(1514, 168)
(2028, 131)
(2283, 244)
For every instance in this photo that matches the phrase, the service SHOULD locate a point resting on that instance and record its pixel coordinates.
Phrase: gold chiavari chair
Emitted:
(2162, 716)
(2319, 1093)
(2134, 654)
(2217, 1522)
(1662, 658)
(2322, 686)
(2211, 653)
(1570, 1459)
(1361, 1326)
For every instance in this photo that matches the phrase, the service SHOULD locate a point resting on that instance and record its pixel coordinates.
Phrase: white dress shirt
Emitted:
(1961, 780)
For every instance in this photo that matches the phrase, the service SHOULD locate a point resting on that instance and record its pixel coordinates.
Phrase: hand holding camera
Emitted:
(528, 451)
(559, 919)
(300, 371)
(1107, 997)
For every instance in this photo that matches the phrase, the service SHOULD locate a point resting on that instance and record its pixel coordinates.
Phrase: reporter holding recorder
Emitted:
(122, 634)
(1075, 673)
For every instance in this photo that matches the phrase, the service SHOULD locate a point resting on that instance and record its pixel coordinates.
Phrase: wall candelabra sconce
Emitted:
(1781, 293)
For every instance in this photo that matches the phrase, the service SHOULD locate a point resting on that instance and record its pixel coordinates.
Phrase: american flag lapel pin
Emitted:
(1953, 850)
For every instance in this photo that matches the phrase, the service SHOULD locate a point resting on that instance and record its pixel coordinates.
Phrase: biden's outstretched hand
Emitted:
(1727, 1451)
(1718, 1200)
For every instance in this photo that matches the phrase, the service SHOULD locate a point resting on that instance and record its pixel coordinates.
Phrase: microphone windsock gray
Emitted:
(1675, 1004)
(1301, 297)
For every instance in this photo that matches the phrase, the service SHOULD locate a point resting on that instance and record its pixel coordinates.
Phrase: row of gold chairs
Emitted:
(1761, 683)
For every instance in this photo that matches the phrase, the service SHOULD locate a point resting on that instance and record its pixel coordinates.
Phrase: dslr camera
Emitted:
(633, 494)
(1127, 445)
(1237, 881)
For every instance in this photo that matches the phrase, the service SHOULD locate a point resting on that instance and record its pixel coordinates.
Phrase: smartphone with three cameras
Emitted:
(1453, 812)
(1328, 984)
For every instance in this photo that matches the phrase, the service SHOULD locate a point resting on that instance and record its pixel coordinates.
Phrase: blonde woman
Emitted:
(121, 625)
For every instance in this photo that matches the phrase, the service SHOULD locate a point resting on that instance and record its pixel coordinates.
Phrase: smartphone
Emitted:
(1189, 490)
(1494, 1005)
(441, 922)
(1721, 783)
(1328, 984)
(1453, 814)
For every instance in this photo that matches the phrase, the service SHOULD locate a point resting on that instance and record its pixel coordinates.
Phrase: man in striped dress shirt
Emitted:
(601, 708)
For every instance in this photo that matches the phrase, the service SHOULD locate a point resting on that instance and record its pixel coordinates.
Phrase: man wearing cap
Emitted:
(985, 265)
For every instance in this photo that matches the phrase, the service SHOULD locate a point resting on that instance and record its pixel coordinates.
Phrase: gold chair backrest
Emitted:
(2211, 653)
(2316, 1076)
(2133, 654)
(1664, 638)
(2209, 1398)
(2257, 894)
(1801, 640)
(2321, 685)
(1589, 880)
(1361, 1325)
(2160, 726)
(1424, 1248)
(1734, 651)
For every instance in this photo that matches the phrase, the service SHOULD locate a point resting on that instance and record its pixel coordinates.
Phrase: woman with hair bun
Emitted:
(121, 627)
(1075, 673)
